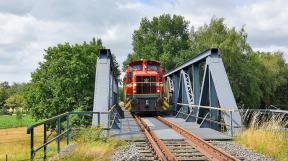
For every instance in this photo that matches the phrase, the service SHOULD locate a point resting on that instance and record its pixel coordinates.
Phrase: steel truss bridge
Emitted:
(198, 94)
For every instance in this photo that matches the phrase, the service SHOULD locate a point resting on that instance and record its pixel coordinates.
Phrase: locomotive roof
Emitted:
(144, 60)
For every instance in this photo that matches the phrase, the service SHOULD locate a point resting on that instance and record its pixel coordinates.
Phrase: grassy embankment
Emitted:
(8, 121)
(267, 138)
(15, 143)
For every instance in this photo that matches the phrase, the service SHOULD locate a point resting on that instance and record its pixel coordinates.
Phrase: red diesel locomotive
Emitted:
(143, 87)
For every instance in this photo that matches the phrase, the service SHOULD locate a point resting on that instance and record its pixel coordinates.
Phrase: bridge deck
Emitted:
(130, 131)
(160, 129)
(204, 133)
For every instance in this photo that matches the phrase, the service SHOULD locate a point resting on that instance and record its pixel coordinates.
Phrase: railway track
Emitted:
(190, 147)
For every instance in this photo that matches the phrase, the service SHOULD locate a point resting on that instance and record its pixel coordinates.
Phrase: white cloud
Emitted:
(31, 26)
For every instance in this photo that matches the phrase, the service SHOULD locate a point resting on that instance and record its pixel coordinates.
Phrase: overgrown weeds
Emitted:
(92, 145)
(266, 135)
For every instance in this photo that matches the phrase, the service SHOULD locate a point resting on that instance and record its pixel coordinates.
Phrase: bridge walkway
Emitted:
(129, 129)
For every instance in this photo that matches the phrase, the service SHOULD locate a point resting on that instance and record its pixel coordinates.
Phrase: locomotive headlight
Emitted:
(158, 90)
(134, 84)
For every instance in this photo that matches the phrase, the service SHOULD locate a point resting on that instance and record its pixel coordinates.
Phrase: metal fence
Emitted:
(61, 131)
(207, 119)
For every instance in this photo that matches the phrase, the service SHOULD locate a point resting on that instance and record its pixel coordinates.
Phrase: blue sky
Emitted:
(27, 27)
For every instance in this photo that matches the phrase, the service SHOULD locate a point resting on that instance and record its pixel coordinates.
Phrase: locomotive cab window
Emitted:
(130, 75)
(136, 67)
(153, 67)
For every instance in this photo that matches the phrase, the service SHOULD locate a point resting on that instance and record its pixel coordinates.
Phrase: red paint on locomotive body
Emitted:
(144, 84)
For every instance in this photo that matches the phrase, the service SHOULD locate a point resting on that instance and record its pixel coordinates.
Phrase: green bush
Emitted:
(88, 135)
(3, 111)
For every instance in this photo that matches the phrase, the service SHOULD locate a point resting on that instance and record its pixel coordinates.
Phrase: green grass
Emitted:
(8, 121)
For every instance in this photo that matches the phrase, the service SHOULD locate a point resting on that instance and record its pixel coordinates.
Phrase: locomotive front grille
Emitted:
(145, 84)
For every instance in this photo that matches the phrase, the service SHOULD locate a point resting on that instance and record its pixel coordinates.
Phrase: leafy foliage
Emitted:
(64, 81)
(16, 102)
(11, 96)
(3, 93)
(159, 39)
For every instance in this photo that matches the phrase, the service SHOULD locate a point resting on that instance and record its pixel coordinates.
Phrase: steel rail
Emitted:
(162, 151)
(201, 145)
(154, 145)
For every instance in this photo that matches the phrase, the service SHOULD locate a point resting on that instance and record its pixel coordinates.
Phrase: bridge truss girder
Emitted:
(211, 98)
(106, 90)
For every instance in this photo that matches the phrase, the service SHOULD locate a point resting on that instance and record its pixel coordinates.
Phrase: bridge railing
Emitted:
(208, 116)
(62, 132)
(245, 115)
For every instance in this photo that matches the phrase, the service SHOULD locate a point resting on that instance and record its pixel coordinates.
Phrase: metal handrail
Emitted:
(45, 121)
(210, 120)
(208, 107)
(46, 142)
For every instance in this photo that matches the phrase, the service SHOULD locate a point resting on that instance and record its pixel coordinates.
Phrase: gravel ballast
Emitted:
(128, 153)
(239, 151)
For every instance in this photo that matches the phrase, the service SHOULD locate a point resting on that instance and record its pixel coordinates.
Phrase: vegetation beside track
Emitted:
(92, 146)
(269, 138)
(15, 143)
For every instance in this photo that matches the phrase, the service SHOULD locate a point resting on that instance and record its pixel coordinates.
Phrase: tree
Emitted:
(64, 81)
(16, 88)
(274, 78)
(3, 94)
(159, 39)
(15, 102)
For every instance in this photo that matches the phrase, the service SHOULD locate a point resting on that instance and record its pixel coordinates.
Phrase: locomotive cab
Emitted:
(143, 86)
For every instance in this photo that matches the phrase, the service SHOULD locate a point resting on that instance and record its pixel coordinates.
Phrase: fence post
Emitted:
(32, 143)
(98, 119)
(231, 125)
(45, 141)
(68, 128)
(58, 133)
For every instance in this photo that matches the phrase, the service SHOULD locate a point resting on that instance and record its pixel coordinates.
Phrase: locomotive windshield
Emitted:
(153, 67)
(136, 67)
